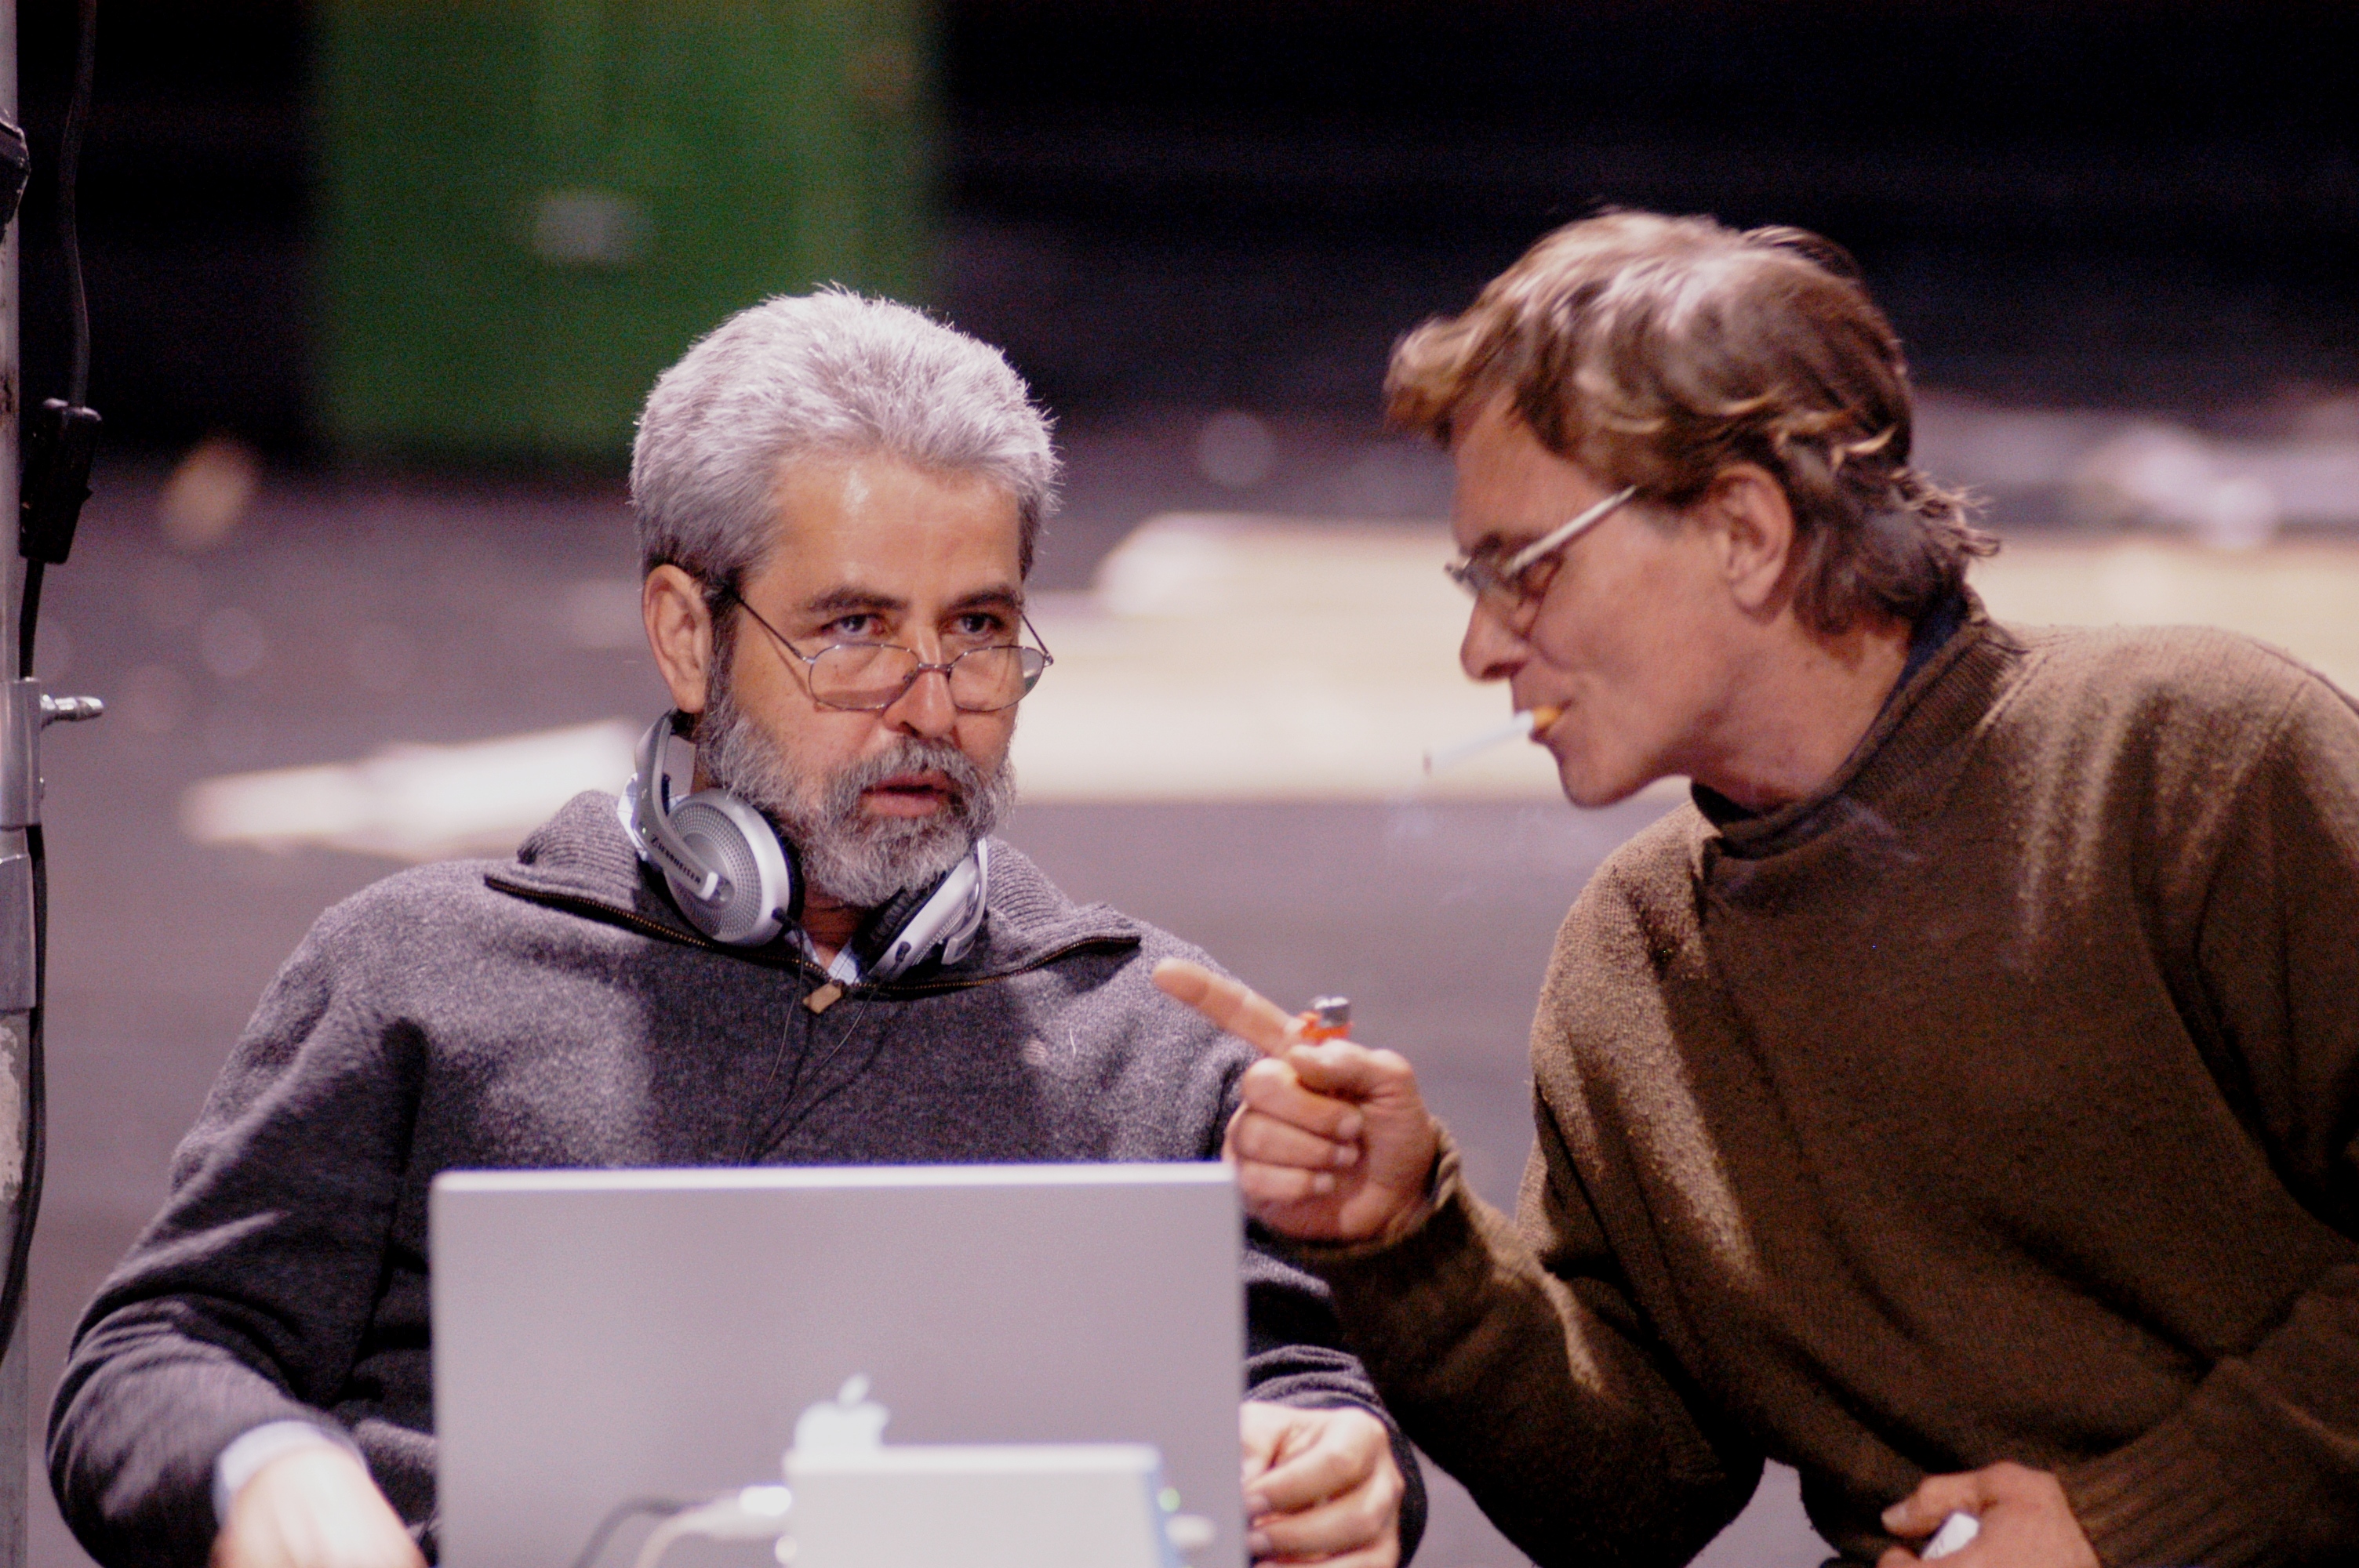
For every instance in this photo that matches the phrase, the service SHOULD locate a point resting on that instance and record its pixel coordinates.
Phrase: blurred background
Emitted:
(378, 286)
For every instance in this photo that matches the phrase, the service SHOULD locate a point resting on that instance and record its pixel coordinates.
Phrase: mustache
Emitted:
(909, 755)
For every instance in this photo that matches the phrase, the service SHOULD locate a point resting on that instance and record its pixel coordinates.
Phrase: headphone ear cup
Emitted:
(885, 923)
(760, 894)
(902, 933)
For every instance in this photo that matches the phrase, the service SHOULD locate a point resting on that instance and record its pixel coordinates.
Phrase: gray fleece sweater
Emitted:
(556, 1011)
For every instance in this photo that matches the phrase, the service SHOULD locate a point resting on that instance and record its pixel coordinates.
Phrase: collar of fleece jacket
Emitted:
(580, 860)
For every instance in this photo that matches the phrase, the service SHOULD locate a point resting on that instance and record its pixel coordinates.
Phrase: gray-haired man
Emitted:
(837, 501)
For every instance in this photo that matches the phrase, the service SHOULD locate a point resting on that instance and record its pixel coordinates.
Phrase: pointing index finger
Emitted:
(1235, 1006)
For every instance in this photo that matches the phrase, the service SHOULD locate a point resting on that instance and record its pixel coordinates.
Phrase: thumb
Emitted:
(1935, 1499)
(1262, 1434)
(1344, 1071)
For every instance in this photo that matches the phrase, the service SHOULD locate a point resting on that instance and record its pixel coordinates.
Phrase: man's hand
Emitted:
(1321, 1486)
(313, 1508)
(1332, 1141)
(2026, 1523)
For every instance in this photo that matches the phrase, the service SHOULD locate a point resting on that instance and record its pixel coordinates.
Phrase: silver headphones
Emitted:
(737, 881)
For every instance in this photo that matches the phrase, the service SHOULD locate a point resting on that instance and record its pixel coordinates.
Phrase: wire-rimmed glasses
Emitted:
(1503, 578)
(868, 677)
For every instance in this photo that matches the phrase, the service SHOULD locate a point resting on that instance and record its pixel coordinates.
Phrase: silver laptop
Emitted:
(606, 1335)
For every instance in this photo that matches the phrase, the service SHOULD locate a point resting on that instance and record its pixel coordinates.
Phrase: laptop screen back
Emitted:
(606, 1335)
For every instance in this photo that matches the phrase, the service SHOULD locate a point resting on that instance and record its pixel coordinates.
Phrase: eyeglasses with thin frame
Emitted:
(868, 677)
(1506, 582)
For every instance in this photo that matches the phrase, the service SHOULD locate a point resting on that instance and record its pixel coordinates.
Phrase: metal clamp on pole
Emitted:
(25, 711)
(22, 716)
(20, 753)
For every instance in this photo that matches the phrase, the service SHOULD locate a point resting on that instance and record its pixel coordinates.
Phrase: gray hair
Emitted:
(826, 373)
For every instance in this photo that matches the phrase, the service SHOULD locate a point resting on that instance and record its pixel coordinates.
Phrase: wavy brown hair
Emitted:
(1657, 351)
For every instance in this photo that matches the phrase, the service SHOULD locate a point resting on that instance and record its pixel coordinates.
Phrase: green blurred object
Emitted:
(532, 206)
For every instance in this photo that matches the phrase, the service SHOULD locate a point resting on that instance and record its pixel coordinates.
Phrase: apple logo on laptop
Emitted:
(849, 1423)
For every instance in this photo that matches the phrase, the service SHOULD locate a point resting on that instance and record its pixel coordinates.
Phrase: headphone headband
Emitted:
(653, 791)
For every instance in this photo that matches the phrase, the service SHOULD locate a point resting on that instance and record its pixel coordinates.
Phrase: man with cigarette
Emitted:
(1957, 1099)
(792, 941)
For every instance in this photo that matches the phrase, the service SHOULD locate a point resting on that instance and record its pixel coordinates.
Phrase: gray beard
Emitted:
(845, 852)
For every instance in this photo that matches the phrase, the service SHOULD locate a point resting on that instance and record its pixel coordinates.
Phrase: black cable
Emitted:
(29, 616)
(661, 1507)
(69, 176)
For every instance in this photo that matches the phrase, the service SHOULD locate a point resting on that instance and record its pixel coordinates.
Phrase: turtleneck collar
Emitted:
(1955, 657)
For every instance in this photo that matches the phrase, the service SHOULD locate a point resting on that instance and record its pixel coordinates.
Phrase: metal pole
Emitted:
(57, 487)
(17, 956)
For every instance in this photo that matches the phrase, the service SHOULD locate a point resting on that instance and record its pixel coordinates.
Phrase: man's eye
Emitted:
(980, 625)
(861, 628)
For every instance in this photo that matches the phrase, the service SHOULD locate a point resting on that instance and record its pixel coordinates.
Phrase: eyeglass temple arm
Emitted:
(1515, 565)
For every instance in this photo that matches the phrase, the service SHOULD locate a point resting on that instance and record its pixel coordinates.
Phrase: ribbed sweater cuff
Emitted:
(2169, 1499)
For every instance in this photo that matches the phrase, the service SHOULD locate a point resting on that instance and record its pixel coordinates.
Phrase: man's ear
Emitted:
(1753, 523)
(680, 631)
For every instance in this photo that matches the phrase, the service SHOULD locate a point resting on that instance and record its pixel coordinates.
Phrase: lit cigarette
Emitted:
(1519, 727)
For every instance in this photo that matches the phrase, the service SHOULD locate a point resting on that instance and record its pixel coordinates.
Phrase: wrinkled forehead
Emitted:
(890, 529)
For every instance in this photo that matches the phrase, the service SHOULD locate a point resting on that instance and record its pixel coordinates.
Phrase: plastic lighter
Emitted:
(1327, 1017)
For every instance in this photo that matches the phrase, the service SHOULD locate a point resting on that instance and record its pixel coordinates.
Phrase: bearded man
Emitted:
(791, 942)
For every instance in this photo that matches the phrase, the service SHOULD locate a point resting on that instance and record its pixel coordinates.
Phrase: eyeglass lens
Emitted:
(870, 676)
(1482, 579)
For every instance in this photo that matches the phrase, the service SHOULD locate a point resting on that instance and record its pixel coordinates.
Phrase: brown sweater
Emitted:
(1999, 1102)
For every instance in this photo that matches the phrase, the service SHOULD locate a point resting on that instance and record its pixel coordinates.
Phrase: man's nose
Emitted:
(1491, 649)
(924, 707)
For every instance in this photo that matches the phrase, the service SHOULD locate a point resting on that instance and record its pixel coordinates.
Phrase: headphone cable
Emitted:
(764, 1136)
